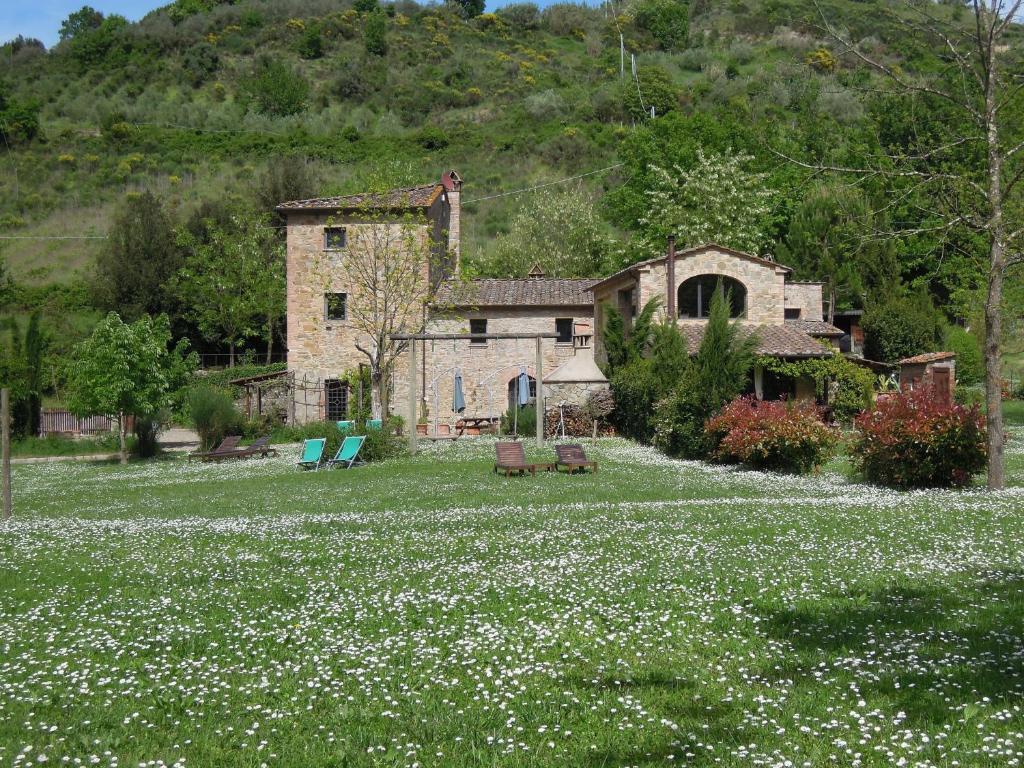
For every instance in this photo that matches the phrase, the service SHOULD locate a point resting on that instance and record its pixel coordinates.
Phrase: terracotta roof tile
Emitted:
(772, 340)
(816, 327)
(928, 357)
(526, 292)
(409, 197)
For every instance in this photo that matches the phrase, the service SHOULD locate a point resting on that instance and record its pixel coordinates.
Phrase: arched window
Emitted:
(694, 295)
(513, 391)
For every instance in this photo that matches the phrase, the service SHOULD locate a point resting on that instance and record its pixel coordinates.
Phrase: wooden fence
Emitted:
(58, 421)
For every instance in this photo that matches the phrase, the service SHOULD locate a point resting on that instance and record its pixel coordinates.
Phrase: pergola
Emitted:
(413, 338)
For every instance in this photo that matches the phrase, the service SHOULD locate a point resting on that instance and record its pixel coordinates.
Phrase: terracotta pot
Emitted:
(421, 429)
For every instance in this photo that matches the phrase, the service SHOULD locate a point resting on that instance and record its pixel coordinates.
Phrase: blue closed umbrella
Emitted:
(524, 387)
(458, 399)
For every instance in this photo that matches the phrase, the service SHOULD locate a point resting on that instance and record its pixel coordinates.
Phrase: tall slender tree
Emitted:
(961, 159)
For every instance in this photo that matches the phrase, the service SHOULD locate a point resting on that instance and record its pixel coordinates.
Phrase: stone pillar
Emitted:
(670, 281)
(759, 382)
(455, 219)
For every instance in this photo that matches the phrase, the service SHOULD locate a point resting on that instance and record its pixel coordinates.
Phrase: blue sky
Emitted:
(41, 18)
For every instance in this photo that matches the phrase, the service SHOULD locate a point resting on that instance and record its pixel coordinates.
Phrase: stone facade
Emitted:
(768, 291)
(570, 392)
(805, 298)
(486, 368)
(320, 348)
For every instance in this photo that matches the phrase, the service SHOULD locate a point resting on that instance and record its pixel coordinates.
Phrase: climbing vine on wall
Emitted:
(848, 387)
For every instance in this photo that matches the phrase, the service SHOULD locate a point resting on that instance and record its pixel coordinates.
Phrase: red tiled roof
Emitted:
(409, 197)
(927, 357)
(527, 292)
(772, 340)
(816, 327)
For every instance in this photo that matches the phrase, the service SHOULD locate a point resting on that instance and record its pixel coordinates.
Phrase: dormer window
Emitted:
(335, 238)
(694, 296)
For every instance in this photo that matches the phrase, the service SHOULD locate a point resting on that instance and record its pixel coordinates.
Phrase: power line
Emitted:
(269, 226)
(546, 184)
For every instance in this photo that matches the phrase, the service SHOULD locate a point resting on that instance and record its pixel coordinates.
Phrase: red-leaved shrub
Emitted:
(913, 440)
(771, 434)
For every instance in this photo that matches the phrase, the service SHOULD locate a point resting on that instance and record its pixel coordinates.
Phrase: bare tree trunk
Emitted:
(231, 354)
(994, 302)
(122, 429)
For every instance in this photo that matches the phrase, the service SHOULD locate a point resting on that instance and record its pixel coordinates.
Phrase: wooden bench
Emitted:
(512, 458)
(573, 457)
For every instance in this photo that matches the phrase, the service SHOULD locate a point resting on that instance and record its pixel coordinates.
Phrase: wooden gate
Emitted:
(60, 422)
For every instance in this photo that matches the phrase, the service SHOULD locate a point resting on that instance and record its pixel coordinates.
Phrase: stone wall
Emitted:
(486, 368)
(319, 349)
(570, 393)
(806, 297)
(765, 284)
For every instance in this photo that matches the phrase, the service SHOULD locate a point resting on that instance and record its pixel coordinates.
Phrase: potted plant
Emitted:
(421, 423)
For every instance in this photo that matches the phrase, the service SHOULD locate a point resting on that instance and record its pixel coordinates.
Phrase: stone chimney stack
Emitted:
(453, 187)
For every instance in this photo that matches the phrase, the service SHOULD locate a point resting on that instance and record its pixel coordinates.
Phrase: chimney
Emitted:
(536, 272)
(670, 278)
(452, 183)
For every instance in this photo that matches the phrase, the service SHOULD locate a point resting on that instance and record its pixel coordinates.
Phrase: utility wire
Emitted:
(542, 186)
(268, 226)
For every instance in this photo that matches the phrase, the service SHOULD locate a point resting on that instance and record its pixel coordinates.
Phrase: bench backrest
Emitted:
(510, 453)
(570, 453)
(313, 449)
(349, 449)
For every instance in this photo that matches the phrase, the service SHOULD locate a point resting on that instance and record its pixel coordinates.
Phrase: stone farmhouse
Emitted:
(322, 344)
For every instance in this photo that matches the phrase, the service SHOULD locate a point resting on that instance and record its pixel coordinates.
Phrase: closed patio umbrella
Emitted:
(458, 398)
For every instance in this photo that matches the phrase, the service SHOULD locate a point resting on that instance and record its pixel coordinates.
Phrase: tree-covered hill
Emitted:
(209, 104)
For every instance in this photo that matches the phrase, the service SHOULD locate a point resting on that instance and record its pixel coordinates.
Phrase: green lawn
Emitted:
(425, 611)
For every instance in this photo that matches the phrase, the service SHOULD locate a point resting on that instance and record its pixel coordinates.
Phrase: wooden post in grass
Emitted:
(540, 394)
(5, 445)
(410, 423)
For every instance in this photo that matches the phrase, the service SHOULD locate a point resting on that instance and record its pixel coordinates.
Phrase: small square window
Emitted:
(335, 238)
(478, 326)
(563, 327)
(336, 306)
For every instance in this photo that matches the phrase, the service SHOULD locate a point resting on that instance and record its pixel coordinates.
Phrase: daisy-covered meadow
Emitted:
(426, 612)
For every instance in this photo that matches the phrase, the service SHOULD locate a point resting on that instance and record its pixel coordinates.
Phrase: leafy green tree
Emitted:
(200, 62)
(104, 44)
(717, 374)
(81, 21)
(138, 259)
(718, 200)
(286, 178)
(622, 345)
(670, 356)
(829, 240)
(366, 6)
(561, 232)
(21, 370)
(127, 371)
(668, 142)
(900, 327)
(667, 21)
(19, 121)
(652, 87)
(232, 283)
(375, 33)
(275, 88)
(970, 365)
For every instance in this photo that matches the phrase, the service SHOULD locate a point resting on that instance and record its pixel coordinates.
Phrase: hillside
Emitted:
(196, 100)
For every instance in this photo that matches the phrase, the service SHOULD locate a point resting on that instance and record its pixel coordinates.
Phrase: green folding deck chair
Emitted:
(312, 453)
(348, 454)
(374, 423)
(346, 426)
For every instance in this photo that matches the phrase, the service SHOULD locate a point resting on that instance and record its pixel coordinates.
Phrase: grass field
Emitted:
(427, 612)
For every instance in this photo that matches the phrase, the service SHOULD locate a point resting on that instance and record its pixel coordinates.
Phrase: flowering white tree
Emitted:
(718, 200)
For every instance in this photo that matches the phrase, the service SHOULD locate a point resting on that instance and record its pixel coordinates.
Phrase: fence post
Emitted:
(5, 447)
(411, 424)
(540, 394)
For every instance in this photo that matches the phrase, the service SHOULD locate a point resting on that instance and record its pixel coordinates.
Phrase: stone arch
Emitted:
(693, 297)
